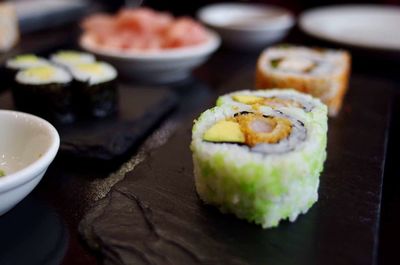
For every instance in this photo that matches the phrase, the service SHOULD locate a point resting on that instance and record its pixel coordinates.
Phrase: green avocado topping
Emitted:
(2, 174)
(284, 46)
(26, 58)
(275, 62)
(224, 131)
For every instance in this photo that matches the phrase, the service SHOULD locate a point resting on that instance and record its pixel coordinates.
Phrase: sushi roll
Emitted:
(323, 73)
(21, 62)
(68, 58)
(287, 100)
(45, 91)
(95, 89)
(261, 165)
(25, 61)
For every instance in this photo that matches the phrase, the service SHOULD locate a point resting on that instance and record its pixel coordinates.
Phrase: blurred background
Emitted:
(39, 14)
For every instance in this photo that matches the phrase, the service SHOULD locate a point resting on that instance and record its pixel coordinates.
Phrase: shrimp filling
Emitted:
(261, 133)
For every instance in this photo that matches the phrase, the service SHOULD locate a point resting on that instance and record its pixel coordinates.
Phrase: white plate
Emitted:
(367, 26)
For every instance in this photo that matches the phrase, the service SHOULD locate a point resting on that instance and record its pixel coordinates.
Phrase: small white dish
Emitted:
(365, 26)
(247, 26)
(28, 144)
(156, 66)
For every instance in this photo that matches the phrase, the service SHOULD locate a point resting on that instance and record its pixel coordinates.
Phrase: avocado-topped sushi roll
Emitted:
(323, 73)
(261, 165)
(69, 58)
(21, 62)
(25, 61)
(45, 91)
(287, 100)
(95, 88)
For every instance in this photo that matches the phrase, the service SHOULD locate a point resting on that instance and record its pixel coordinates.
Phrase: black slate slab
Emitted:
(154, 215)
(139, 111)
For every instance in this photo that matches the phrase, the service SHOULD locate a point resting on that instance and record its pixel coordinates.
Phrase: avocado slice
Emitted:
(245, 99)
(2, 174)
(224, 131)
(26, 58)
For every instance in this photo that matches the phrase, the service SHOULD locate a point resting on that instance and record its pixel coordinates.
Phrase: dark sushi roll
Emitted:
(21, 62)
(95, 90)
(45, 91)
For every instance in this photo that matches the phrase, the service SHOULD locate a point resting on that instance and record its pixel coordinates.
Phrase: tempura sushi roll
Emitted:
(45, 91)
(68, 58)
(21, 62)
(287, 100)
(262, 166)
(95, 89)
(323, 73)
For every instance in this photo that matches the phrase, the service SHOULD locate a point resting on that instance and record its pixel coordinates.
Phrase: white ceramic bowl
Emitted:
(247, 26)
(158, 66)
(28, 144)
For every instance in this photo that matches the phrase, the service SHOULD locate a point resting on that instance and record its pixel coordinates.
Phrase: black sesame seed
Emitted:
(242, 113)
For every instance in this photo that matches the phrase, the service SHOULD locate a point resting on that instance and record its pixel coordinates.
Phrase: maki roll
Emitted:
(323, 73)
(261, 165)
(69, 58)
(45, 91)
(25, 61)
(95, 89)
(21, 62)
(287, 100)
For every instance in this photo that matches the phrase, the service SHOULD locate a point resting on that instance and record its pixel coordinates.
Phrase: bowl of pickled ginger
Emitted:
(148, 45)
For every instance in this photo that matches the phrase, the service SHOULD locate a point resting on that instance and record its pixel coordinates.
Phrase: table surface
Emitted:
(71, 186)
(154, 212)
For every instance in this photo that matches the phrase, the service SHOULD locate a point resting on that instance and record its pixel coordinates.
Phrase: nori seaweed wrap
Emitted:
(95, 92)
(45, 91)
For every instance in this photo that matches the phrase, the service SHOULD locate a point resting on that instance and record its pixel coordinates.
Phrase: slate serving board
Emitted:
(140, 109)
(154, 215)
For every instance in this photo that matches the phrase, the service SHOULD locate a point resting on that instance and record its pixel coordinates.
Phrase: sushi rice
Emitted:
(261, 183)
(68, 58)
(94, 73)
(25, 61)
(43, 75)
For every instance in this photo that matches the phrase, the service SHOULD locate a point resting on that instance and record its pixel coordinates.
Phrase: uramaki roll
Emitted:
(323, 73)
(262, 166)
